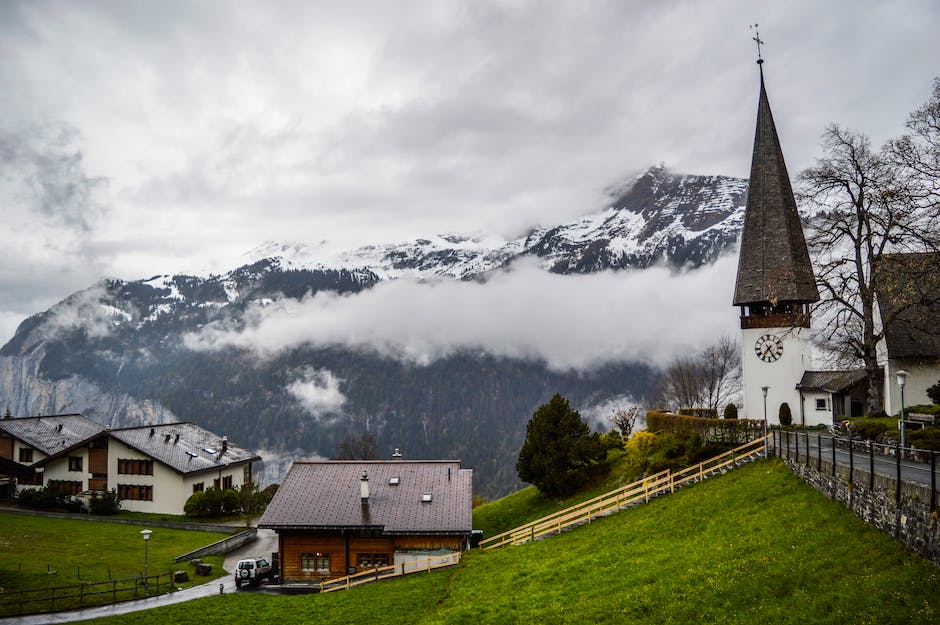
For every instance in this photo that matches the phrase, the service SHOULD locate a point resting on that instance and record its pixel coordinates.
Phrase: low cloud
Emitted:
(570, 322)
(598, 415)
(318, 392)
(88, 311)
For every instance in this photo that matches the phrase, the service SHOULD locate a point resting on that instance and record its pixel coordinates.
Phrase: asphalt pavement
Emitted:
(262, 547)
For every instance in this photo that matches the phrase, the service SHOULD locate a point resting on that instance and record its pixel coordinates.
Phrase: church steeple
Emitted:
(775, 275)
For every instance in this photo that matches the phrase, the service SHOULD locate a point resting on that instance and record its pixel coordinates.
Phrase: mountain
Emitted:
(116, 351)
(657, 218)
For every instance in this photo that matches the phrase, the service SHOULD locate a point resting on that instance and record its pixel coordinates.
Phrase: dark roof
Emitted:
(908, 290)
(831, 381)
(773, 263)
(53, 434)
(11, 468)
(184, 447)
(325, 495)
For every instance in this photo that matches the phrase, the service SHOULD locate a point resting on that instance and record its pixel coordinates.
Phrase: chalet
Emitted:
(827, 396)
(907, 290)
(154, 468)
(340, 517)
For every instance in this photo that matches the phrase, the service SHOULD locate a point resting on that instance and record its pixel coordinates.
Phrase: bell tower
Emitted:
(775, 283)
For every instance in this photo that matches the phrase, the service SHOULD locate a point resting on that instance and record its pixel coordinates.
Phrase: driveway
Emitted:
(262, 547)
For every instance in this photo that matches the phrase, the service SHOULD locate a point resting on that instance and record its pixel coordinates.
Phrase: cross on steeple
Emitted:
(757, 39)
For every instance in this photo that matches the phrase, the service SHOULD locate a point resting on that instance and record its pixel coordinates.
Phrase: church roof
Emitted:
(908, 290)
(773, 263)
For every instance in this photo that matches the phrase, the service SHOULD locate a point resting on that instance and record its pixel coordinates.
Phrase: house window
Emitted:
(135, 466)
(26, 455)
(68, 487)
(75, 463)
(198, 487)
(227, 482)
(135, 492)
(370, 560)
(315, 563)
(821, 403)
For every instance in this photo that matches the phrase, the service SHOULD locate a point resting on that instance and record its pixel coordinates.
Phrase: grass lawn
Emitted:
(754, 546)
(88, 551)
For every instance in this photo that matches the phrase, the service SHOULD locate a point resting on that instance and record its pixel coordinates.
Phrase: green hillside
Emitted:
(754, 546)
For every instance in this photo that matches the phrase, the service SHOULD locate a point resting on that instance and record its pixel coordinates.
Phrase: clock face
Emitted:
(769, 347)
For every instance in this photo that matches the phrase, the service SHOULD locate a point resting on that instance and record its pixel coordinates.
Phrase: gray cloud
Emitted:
(570, 322)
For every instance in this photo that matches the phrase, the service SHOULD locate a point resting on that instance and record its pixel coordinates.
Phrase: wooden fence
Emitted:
(641, 490)
(393, 570)
(54, 599)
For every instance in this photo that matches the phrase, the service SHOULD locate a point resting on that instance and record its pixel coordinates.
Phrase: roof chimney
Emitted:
(364, 489)
(7, 414)
(152, 431)
(396, 455)
(177, 439)
(166, 438)
(224, 444)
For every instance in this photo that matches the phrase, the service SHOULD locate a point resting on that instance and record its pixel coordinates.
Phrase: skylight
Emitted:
(426, 498)
(191, 454)
(394, 481)
(208, 450)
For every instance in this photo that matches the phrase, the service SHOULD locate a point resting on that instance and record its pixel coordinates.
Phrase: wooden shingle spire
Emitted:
(773, 264)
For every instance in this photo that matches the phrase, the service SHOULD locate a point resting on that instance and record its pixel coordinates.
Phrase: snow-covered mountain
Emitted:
(659, 217)
(117, 350)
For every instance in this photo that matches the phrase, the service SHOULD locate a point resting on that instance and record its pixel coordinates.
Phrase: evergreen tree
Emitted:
(785, 416)
(560, 453)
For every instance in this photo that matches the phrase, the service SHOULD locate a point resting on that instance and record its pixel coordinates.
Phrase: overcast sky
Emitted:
(139, 138)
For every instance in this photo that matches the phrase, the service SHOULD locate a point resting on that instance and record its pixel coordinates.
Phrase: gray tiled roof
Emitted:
(831, 381)
(325, 495)
(908, 291)
(773, 262)
(183, 446)
(53, 434)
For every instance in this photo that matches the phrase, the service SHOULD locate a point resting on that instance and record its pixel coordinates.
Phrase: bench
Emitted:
(916, 418)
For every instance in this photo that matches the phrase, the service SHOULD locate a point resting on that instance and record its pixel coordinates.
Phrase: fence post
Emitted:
(796, 442)
(871, 466)
(933, 481)
(897, 486)
(113, 590)
(833, 439)
(851, 461)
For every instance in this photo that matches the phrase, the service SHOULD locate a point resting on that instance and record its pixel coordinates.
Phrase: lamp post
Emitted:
(146, 534)
(763, 390)
(902, 380)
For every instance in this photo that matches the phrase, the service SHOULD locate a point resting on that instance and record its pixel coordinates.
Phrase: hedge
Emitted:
(718, 430)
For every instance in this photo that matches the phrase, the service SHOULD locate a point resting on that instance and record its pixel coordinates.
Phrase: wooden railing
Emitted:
(393, 570)
(641, 490)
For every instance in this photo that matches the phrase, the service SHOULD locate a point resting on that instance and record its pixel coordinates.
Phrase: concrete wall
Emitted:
(910, 520)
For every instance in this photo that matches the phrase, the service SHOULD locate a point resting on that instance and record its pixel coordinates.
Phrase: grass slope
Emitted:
(754, 546)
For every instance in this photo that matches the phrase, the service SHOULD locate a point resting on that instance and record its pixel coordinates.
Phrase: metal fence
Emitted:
(862, 458)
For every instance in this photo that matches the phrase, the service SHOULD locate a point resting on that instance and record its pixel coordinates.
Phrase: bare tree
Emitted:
(918, 151)
(357, 446)
(869, 205)
(624, 419)
(706, 380)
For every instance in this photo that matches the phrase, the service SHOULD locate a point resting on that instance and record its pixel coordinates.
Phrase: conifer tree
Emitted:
(560, 453)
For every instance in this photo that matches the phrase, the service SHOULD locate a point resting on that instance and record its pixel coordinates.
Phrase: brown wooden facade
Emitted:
(303, 553)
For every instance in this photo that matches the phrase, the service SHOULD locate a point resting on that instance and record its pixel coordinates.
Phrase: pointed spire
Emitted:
(773, 263)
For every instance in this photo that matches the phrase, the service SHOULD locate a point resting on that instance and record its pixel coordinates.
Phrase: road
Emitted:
(262, 547)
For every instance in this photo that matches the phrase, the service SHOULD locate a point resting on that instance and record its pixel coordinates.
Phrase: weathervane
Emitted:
(756, 38)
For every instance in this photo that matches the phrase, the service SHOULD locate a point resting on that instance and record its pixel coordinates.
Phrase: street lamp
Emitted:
(902, 380)
(763, 390)
(146, 534)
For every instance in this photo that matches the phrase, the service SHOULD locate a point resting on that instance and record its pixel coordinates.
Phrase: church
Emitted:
(775, 290)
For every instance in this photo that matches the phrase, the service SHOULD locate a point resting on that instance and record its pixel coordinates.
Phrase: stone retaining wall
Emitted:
(908, 517)
(223, 546)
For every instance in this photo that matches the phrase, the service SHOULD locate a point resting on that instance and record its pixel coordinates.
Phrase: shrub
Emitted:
(785, 416)
(719, 430)
(925, 438)
(230, 501)
(612, 440)
(931, 409)
(934, 393)
(701, 413)
(731, 412)
(195, 505)
(639, 447)
(872, 428)
(106, 503)
(46, 498)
